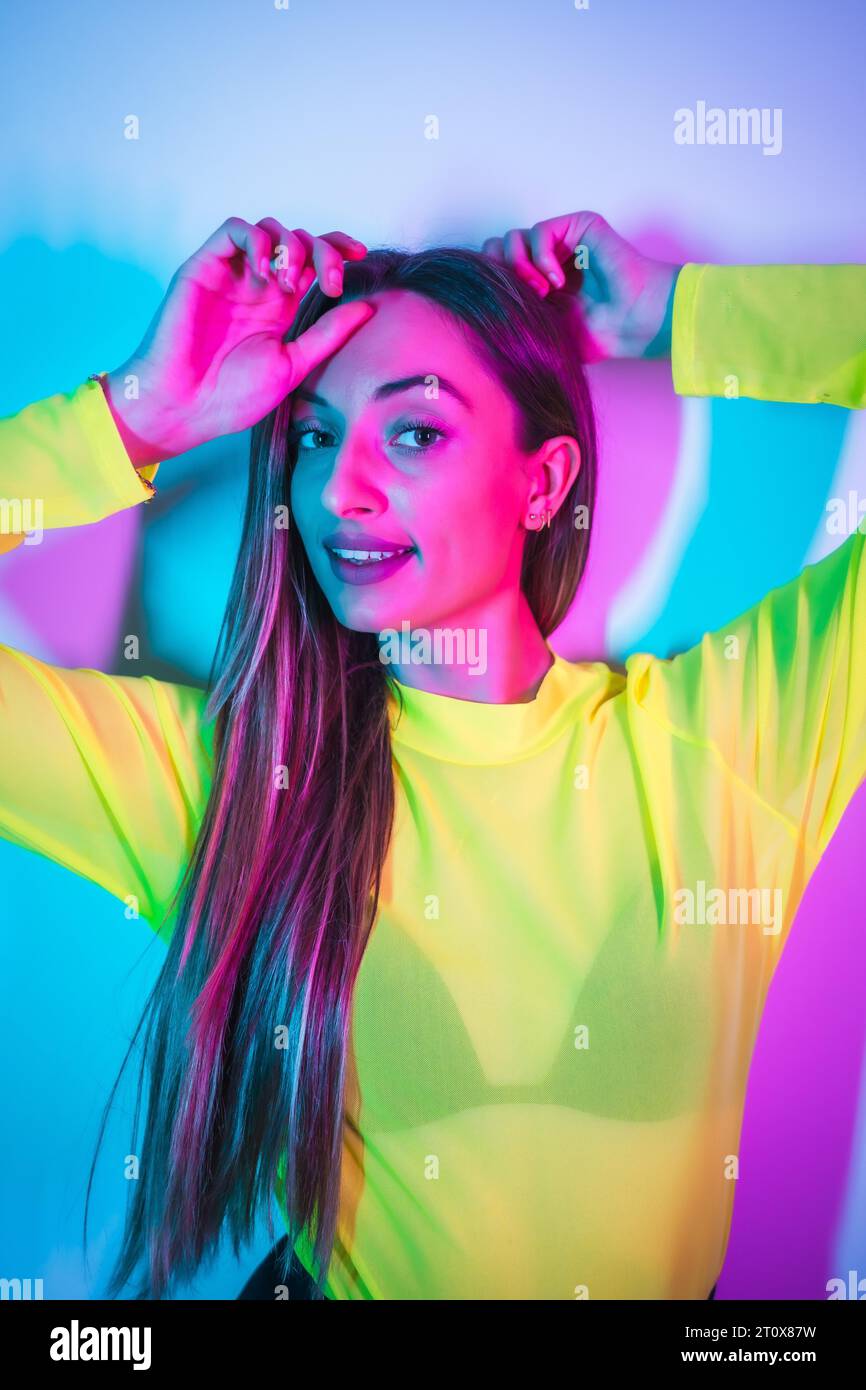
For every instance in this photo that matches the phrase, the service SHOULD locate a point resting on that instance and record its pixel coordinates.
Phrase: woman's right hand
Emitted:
(213, 360)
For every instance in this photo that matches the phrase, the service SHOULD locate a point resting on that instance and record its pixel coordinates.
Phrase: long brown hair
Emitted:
(246, 1029)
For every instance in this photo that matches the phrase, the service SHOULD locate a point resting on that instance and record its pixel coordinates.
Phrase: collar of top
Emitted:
(476, 731)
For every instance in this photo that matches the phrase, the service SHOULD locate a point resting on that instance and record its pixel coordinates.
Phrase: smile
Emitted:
(364, 557)
(353, 566)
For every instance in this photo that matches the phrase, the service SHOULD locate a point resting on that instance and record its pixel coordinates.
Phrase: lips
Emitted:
(357, 564)
(365, 557)
(363, 548)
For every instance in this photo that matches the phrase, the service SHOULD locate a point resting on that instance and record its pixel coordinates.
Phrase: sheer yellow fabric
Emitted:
(585, 897)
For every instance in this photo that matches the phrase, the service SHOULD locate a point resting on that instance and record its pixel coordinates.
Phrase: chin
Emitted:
(359, 619)
(363, 613)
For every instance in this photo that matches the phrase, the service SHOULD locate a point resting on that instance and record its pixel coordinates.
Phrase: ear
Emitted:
(552, 471)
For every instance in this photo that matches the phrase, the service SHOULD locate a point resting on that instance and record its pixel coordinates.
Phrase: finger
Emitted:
(493, 248)
(325, 336)
(348, 249)
(581, 229)
(328, 253)
(288, 253)
(517, 255)
(327, 261)
(583, 221)
(544, 247)
(349, 246)
(308, 275)
(235, 235)
(345, 248)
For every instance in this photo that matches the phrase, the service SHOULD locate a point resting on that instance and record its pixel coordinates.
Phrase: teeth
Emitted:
(361, 555)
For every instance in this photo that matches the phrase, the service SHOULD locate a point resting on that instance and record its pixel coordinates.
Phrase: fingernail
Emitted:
(334, 279)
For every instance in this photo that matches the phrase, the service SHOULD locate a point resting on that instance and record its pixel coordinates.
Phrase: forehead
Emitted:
(408, 335)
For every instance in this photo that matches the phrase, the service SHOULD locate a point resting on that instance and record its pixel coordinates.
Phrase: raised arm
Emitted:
(776, 697)
(771, 332)
(779, 693)
(106, 775)
(109, 775)
(62, 463)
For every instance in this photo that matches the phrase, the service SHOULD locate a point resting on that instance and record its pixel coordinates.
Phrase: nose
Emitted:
(354, 482)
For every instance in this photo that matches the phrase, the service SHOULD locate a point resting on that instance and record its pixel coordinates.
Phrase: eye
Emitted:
(310, 438)
(418, 427)
(301, 433)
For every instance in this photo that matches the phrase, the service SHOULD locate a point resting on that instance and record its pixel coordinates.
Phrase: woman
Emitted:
(467, 944)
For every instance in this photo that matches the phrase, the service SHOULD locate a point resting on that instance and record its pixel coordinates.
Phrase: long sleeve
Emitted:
(771, 332)
(62, 463)
(106, 775)
(778, 694)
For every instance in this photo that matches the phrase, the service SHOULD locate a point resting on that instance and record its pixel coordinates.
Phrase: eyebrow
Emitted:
(392, 388)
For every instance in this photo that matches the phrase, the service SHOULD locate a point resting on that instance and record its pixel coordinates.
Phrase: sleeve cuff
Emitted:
(771, 333)
(118, 484)
(683, 356)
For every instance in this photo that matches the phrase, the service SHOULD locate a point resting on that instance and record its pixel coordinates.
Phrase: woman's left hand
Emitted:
(625, 299)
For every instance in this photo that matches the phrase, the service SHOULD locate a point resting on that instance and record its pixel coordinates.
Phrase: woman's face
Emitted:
(406, 443)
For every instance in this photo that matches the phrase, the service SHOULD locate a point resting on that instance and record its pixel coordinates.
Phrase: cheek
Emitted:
(465, 551)
(465, 519)
(302, 498)
(295, 493)
(303, 522)
(475, 492)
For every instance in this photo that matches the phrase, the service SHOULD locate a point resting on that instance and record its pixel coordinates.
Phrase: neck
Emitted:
(493, 652)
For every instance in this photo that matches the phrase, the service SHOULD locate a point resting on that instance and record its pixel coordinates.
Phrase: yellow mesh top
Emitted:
(585, 897)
